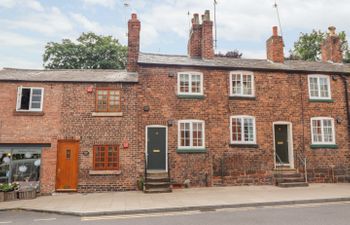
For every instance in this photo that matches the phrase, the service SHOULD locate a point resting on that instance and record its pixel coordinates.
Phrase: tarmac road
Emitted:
(307, 214)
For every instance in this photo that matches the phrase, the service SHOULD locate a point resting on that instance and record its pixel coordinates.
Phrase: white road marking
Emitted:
(5, 222)
(133, 216)
(45, 219)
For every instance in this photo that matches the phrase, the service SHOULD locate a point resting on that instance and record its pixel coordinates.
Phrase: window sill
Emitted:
(28, 113)
(181, 96)
(105, 172)
(330, 146)
(242, 97)
(107, 114)
(244, 145)
(321, 100)
(191, 150)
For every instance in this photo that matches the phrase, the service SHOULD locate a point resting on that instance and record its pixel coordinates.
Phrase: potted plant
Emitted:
(27, 193)
(9, 191)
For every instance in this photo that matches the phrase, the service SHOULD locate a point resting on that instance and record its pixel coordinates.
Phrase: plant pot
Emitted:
(10, 196)
(2, 196)
(30, 194)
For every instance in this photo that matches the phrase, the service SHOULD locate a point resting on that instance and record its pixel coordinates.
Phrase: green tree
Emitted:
(308, 46)
(89, 51)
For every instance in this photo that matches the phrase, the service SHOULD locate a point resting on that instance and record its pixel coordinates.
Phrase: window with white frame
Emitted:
(191, 134)
(319, 87)
(242, 130)
(242, 84)
(30, 99)
(190, 83)
(322, 130)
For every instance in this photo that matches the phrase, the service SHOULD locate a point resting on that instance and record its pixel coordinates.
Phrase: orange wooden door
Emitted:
(67, 166)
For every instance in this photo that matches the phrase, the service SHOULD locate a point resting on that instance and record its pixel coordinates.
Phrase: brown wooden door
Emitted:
(67, 166)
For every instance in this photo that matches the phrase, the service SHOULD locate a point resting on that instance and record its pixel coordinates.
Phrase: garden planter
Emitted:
(10, 196)
(2, 196)
(30, 194)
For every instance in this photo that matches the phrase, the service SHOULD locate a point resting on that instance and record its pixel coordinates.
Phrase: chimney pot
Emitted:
(133, 16)
(331, 30)
(196, 18)
(206, 15)
(275, 31)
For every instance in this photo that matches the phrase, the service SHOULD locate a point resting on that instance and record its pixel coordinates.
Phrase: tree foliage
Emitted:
(89, 51)
(231, 54)
(308, 46)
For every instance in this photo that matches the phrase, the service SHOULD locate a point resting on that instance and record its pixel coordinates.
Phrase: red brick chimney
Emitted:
(207, 36)
(331, 47)
(134, 27)
(194, 47)
(200, 43)
(274, 47)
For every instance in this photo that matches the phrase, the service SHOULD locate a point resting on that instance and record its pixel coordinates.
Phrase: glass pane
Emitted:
(185, 134)
(324, 87)
(236, 84)
(36, 105)
(313, 86)
(196, 83)
(236, 129)
(25, 99)
(316, 131)
(36, 91)
(184, 83)
(248, 130)
(102, 98)
(327, 131)
(247, 85)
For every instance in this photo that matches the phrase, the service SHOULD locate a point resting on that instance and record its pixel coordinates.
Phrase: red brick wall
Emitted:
(279, 97)
(77, 120)
(16, 128)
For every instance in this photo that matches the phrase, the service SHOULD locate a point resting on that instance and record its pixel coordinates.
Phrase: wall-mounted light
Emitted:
(171, 74)
(170, 123)
(334, 77)
(339, 120)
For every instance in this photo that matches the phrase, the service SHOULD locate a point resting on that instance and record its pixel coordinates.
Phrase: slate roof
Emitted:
(9, 74)
(251, 64)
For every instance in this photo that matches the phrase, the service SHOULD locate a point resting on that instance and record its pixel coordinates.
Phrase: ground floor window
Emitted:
(243, 130)
(191, 134)
(322, 130)
(106, 157)
(20, 165)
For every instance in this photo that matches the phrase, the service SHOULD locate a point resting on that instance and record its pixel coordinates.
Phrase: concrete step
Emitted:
(288, 175)
(158, 179)
(294, 184)
(290, 179)
(158, 190)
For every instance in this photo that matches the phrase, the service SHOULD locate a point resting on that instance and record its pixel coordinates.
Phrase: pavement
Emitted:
(135, 202)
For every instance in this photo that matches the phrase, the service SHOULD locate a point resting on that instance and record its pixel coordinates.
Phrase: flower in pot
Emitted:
(9, 191)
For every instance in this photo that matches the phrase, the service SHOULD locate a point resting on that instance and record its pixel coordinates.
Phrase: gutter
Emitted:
(346, 85)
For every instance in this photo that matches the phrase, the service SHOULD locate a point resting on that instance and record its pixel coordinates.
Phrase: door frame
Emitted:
(166, 144)
(290, 143)
(57, 158)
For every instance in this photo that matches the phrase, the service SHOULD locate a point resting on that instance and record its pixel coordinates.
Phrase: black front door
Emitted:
(156, 148)
(281, 144)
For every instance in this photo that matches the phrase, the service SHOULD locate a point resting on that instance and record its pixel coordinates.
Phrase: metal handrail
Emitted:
(279, 159)
(304, 162)
(169, 166)
(145, 180)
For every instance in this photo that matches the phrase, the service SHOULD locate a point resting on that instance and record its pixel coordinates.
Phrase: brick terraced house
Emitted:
(196, 119)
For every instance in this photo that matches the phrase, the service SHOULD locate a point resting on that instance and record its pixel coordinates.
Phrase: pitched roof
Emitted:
(114, 76)
(251, 64)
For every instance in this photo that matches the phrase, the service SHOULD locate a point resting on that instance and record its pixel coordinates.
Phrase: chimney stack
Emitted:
(331, 47)
(134, 27)
(200, 44)
(274, 47)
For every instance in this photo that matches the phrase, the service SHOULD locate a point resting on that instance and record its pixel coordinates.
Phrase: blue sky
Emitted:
(27, 25)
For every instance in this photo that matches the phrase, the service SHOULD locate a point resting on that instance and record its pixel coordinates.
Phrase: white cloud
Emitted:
(14, 39)
(49, 23)
(86, 23)
(104, 3)
(31, 4)
(18, 62)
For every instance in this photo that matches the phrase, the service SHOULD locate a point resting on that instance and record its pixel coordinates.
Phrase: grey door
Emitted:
(156, 148)
(281, 144)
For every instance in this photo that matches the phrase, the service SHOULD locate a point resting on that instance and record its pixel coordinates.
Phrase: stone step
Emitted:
(290, 179)
(157, 184)
(288, 175)
(158, 190)
(158, 179)
(294, 184)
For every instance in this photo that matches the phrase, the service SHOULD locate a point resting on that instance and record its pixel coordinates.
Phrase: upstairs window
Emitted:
(106, 157)
(243, 130)
(107, 100)
(322, 130)
(190, 83)
(319, 87)
(191, 134)
(242, 84)
(30, 99)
